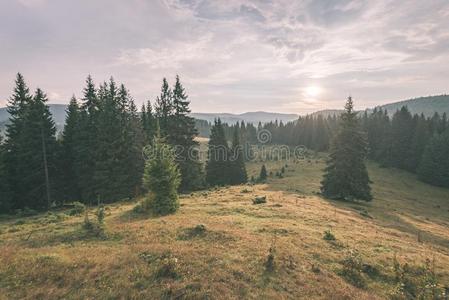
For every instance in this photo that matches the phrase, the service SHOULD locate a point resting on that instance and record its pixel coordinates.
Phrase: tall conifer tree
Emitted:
(238, 173)
(218, 163)
(5, 195)
(69, 155)
(164, 108)
(434, 166)
(37, 154)
(17, 106)
(86, 144)
(346, 176)
(181, 136)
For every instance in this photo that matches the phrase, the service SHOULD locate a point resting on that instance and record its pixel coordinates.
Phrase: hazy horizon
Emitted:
(232, 57)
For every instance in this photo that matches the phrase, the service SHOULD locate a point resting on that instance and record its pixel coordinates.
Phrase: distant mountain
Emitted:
(57, 110)
(426, 105)
(328, 112)
(59, 113)
(248, 117)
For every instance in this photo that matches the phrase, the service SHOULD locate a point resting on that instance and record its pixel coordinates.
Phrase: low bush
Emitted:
(168, 267)
(416, 281)
(329, 236)
(77, 209)
(352, 269)
(260, 200)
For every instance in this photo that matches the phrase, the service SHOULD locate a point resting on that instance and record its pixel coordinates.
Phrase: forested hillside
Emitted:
(426, 105)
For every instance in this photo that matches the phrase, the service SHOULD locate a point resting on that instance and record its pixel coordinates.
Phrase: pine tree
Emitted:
(377, 128)
(400, 139)
(108, 178)
(164, 108)
(151, 122)
(86, 142)
(37, 154)
(131, 144)
(421, 136)
(346, 176)
(238, 170)
(218, 163)
(5, 195)
(161, 178)
(263, 174)
(17, 106)
(181, 136)
(434, 166)
(69, 155)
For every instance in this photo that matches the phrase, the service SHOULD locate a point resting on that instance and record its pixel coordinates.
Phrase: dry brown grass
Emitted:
(227, 261)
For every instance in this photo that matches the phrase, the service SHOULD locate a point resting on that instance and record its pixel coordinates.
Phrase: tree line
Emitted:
(414, 143)
(98, 157)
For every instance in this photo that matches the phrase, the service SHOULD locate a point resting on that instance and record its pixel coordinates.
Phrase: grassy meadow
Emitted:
(218, 244)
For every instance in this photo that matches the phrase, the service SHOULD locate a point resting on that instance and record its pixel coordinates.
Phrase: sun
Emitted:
(313, 91)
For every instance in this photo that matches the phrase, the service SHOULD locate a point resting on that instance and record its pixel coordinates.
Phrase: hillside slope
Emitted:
(248, 117)
(426, 105)
(172, 257)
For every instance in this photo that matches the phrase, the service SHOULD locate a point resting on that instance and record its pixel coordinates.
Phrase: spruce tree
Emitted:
(37, 154)
(263, 174)
(421, 136)
(161, 178)
(238, 170)
(346, 176)
(181, 136)
(69, 155)
(218, 163)
(87, 142)
(400, 139)
(17, 106)
(150, 128)
(434, 166)
(108, 178)
(5, 195)
(131, 144)
(164, 108)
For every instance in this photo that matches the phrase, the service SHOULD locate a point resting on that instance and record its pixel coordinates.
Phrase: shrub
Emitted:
(260, 200)
(26, 212)
(329, 236)
(416, 282)
(168, 267)
(77, 209)
(100, 215)
(199, 229)
(139, 208)
(93, 228)
(270, 263)
(352, 269)
(315, 269)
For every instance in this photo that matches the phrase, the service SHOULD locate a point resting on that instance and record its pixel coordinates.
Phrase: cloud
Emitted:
(32, 3)
(235, 54)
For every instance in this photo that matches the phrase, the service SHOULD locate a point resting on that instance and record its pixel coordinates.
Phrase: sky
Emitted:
(232, 56)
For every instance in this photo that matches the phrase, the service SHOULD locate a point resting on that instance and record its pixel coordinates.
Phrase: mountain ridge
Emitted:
(426, 105)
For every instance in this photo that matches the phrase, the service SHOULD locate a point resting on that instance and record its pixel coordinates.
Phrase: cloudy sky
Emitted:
(234, 55)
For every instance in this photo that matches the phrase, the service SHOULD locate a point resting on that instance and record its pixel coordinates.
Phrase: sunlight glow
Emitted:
(313, 91)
